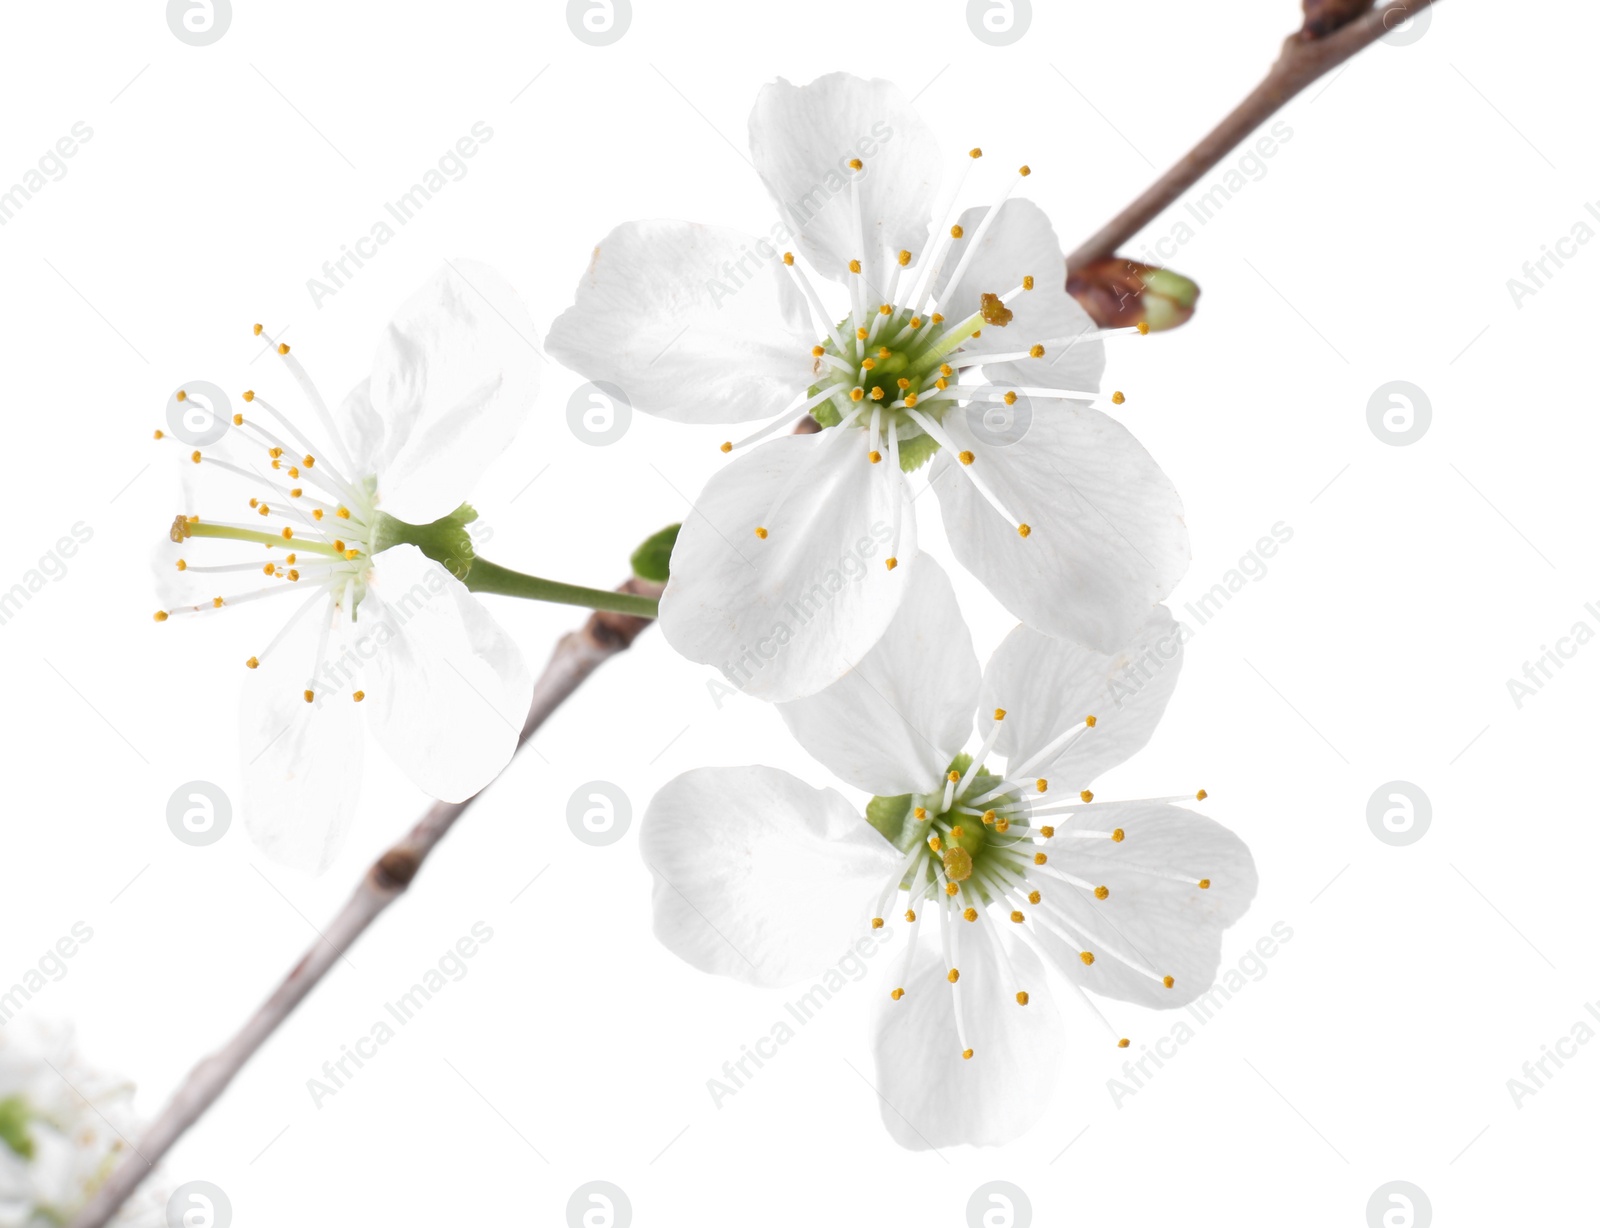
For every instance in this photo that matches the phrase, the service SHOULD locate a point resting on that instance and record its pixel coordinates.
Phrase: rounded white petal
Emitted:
(1047, 685)
(1167, 927)
(803, 137)
(929, 1095)
(446, 689)
(455, 374)
(1019, 243)
(787, 615)
(893, 723)
(1107, 538)
(758, 876)
(301, 762)
(691, 323)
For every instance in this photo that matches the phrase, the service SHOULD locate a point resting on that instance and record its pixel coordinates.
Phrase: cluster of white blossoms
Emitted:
(958, 345)
(1020, 869)
(335, 516)
(63, 1127)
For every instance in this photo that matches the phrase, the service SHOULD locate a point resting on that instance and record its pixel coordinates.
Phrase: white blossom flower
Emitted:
(354, 527)
(760, 877)
(788, 569)
(63, 1128)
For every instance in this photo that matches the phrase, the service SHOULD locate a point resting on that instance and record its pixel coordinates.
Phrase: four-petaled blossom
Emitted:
(384, 636)
(760, 877)
(792, 563)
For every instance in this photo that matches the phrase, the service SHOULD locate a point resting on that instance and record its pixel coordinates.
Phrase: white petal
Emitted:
(301, 762)
(929, 1095)
(455, 374)
(446, 688)
(692, 323)
(1046, 685)
(1172, 928)
(892, 724)
(758, 876)
(1107, 537)
(1019, 243)
(785, 616)
(802, 139)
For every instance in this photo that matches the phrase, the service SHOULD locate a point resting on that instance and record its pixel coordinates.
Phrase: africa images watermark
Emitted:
(51, 167)
(1537, 673)
(51, 567)
(451, 167)
(49, 968)
(1536, 1072)
(1536, 274)
(848, 968)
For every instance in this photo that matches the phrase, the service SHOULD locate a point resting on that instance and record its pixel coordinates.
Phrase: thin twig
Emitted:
(1303, 59)
(576, 656)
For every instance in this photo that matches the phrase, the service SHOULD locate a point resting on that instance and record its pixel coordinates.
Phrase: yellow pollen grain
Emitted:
(1123, 1043)
(249, 394)
(935, 843)
(916, 322)
(855, 164)
(1024, 530)
(919, 814)
(788, 258)
(282, 349)
(1036, 351)
(1087, 957)
(1200, 796)
(951, 889)
(1022, 997)
(897, 994)
(358, 696)
(874, 456)
(256, 331)
(1016, 918)
(1205, 884)
(956, 232)
(238, 419)
(161, 616)
(966, 458)
(161, 435)
(761, 533)
(1002, 825)
(937, 318)
(953, 975)
(1144, 328)
(1117, 835)
(856, 394)
(1117, 398)
(1042, 785)
(891, 562)
(877, 923)
(309, 694)
(966, 1055)
(1167, 982)
(1101, 893)
(970, 914)
(988, 818)
(1040, 858)
(253, 663)
(911, 400)
(1034, 897)
(216, 603)
(1010, 398)
(911, 914)
(855, 266)
(1027, 282)
(195, 456)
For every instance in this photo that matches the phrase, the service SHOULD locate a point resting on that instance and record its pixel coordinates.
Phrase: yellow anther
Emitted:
(1167, 982)
(288, 533)
(182, 565)
(296, 492)
(855, 164)
(161, 435)
(1047, 831)
(902, 383)
(1024, 530)
(868, 363)
(358, 696)
(249, 394)
(788, 257)
(877, 394)
(937, 318)
(161, 616)
(956, 232)
(977, 332)
(951, 888)
(293, 472)
(1200, 796)
(253, 663)
(966, 1055)
(182, 395)
(216, 603)
(1024, 171)
(911, 400)
(1205, 884)
(1117, 398)
(891, 562)
(1091, 721)
(941, 383)
(195, 456)
(916, 321)
(1010, 398)
(953, 777)
(262, 509)
(1034, 897)
(309, 694)
(1016, 917)
(817, 351)
(1123, 1043)
(256, 331)
(974, 153)
(935, 843)
(861, 334)
(897, 994)
(309, 461)
(988, 818)
(267, 569)
(343, 513)
(1042, 785)
(953, 975)
(1027, 282)
(919, 813)
(274, 452)
(956, 833)
(238, 419)
(761, 533)
(293, 574)
(877, 923)
(1086, 796)
(290, 558)
(1040, 858)
(886, 310)
(855, 266)
(944, 367)
(874, 456)
(911, 914)
(999, 714)
(352, 554)
(857, 392)
(1002, 825)
(1022, 997)
(1144, 328)
(282, 348)
(970, 914)
(1087, 957)
(1117, 836)
(1036, 351)
(966, 458)
(1101, 893)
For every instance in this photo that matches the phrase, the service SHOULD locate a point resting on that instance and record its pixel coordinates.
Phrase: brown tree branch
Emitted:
(576, 656)
(1306, 55)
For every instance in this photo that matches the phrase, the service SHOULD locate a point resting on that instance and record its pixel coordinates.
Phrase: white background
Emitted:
(1377, 246)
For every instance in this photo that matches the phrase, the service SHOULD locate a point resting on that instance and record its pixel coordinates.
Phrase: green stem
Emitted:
(487, 577)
